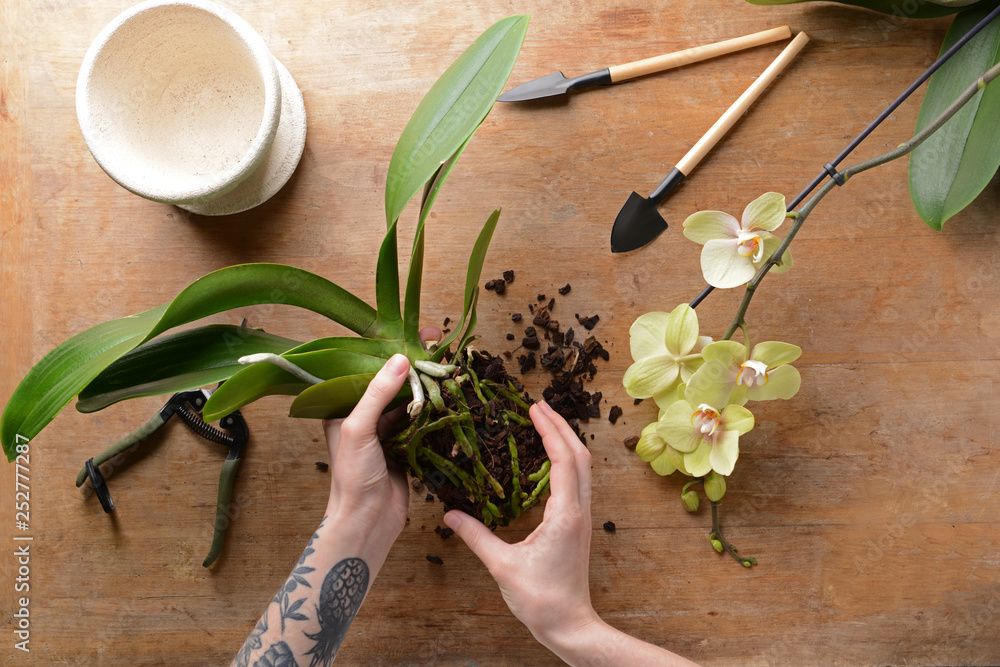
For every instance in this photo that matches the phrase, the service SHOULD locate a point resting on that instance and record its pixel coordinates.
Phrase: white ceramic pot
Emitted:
(180, 101)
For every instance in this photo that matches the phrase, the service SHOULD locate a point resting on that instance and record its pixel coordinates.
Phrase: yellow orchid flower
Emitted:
(734, 249)
(666, 351)
(762, 375)
(705, 429)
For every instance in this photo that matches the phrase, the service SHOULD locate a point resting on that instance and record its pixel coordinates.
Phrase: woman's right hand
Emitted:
(545, 579)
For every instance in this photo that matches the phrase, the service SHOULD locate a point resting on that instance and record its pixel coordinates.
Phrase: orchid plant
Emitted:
(128, 357)
(700, 386)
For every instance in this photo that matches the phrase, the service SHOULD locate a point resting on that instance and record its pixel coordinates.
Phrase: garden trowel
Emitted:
(639, 222)
(557, 83)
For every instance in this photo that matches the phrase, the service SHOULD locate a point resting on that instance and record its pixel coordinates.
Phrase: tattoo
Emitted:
(339, 600)
(290, 610)
(278, 655)
(252, 643)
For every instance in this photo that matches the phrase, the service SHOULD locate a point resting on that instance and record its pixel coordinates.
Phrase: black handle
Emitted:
(673, 179)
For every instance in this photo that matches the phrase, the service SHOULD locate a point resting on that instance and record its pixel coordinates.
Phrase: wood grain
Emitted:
(741, 105)
(870, 499)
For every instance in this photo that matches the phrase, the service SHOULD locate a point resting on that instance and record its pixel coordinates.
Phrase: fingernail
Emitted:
(453, 520)
(399, 364)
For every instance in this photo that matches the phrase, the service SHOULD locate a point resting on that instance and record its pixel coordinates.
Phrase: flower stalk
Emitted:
(799, 216)
(716, 535)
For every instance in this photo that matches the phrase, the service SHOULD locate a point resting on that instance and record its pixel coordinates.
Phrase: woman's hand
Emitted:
(364, 488)
(545, 579)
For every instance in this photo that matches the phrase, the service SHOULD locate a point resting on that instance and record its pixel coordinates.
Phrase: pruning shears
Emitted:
(187, 405)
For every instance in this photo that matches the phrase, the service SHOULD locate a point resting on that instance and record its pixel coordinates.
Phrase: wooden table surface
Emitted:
(870, 499)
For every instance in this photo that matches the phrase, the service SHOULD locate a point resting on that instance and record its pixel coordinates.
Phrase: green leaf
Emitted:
(451, 111)
(56, 379)
(467, 337)
(251, 284)
(411, 307)
(334, 399)
(248, 385)
(264, 379)
(472, 275)
(390, 321)
(955, 164)
(178, 362)
(911, 9)
(72, 365)
(374, 347)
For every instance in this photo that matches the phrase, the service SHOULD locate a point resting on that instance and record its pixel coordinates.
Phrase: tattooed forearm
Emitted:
(289, 609)
(278, 655)
(339, 600)
(253, 643)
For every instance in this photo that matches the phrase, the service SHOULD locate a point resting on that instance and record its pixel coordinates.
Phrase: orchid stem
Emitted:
(903, 149)
(745, 561)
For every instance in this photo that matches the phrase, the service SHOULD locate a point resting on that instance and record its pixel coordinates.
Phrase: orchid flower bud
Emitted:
(715, 486)
(690, 500)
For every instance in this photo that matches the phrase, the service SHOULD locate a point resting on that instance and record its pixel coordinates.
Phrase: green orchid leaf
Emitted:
(390, 320)
(264, 379)
(178, 362)
(899, 8)
(467, 337)
(252, 284)
(63, 372)
(334, 399)
(411, 307)
(373, 347)
(248, 385)
(955, 164)
(451, 111)
(333, 363)
(53, 382)
(472, 276)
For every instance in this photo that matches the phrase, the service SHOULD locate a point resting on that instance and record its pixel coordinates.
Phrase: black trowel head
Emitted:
(637, 224)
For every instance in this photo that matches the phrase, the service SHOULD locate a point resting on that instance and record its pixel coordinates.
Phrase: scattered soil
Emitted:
(434, 559)
(498, 285)
(322, 466)
(609, 526)
(631, 442)
(614, 414)
(444, 533)
(570, 361)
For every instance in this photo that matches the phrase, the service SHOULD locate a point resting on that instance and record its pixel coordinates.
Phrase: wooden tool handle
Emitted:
(739, 107)
(660, 63)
